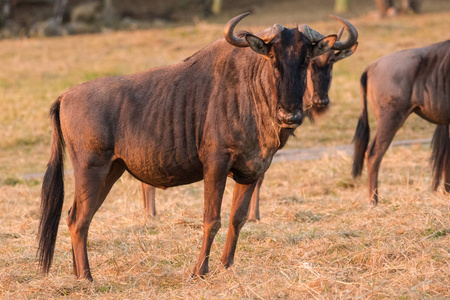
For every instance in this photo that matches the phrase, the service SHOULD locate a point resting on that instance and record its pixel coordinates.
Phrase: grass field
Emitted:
(318, 238)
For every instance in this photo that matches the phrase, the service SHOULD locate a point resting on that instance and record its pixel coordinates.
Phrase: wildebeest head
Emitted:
(320, 69)
(289, 52)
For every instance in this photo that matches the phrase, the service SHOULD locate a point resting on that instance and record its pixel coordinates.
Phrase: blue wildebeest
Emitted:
(413, 80)
(315, 103)
(222, 112)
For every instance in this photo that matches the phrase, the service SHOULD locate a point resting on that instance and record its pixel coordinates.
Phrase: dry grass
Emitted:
(317, 238)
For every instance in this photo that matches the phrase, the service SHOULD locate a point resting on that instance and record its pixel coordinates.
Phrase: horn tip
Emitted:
(335, 17)
(241, 16)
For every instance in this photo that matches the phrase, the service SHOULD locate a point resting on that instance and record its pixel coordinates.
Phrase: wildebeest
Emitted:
(413, 80)
(315, 103)
(222, 112)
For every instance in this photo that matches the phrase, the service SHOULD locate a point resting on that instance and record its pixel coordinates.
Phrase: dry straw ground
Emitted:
(318, 238)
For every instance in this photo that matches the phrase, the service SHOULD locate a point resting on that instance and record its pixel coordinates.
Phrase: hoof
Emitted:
(88, 278)
(194, 276)
(200, 272)
(226, 262)
(253, 217)
(86, 275)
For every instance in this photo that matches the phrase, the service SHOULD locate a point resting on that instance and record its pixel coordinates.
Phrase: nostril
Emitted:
(294, 119)
(298, 118)
(322, 102)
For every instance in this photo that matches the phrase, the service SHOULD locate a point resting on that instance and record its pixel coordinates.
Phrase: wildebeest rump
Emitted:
(414, 80)
(222, 112)
(315, 103)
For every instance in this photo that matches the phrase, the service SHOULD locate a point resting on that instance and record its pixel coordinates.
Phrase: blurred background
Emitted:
(19, 18)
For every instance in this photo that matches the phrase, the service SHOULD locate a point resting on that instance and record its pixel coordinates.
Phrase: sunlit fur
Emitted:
(210, 116)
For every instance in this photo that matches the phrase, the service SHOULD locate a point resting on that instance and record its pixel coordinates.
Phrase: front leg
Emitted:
(215, 176)
(239, 210)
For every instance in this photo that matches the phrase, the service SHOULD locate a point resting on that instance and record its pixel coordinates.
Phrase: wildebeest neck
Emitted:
(247, 83)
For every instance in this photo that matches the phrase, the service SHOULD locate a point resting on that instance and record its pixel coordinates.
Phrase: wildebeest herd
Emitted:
(224, 112)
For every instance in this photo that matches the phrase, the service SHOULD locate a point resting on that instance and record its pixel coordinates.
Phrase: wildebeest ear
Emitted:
(257, 44)
(324, 45)
(345, 53)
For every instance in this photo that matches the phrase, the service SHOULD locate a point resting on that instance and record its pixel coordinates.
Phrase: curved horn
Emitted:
(314, 36)
(352, 34)
(228, 31)
(268, 34)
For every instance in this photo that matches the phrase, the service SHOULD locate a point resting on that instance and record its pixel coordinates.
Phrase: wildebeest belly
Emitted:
(161, 167)
(441, 117)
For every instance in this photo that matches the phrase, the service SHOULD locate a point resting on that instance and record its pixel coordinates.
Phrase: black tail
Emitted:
(362, 133)
(440, 154)
(52, 195)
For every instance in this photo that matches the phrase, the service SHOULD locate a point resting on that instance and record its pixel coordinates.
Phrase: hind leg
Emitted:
(92, 184)
(253, 214)
(388, 125)
(148, 193)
